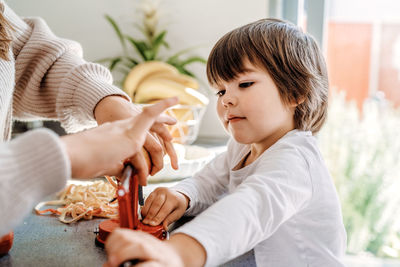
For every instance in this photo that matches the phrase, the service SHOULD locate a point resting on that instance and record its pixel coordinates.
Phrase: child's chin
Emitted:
(242, 139)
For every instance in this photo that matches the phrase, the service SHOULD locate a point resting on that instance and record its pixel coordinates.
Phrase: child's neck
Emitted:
(257, 149)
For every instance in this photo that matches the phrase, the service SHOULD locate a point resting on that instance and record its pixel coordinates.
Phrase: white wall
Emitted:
(189, 23)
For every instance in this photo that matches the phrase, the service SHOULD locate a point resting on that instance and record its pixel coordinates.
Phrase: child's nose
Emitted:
(229, 100)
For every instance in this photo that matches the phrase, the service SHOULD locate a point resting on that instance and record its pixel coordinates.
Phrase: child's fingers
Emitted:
(165, 210)
(155, 207)
(147, 204)
(174, 216)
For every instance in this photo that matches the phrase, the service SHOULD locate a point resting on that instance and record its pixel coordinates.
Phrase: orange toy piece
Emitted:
(128, 202)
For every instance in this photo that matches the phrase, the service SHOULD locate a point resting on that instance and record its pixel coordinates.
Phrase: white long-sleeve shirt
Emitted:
(283, 205)
(46, 78)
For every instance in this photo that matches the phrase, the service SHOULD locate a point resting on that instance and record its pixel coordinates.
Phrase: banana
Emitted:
(154, 89)
(184, 79)
(143, 70)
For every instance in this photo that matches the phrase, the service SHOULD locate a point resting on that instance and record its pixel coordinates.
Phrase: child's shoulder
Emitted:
(294, 146)
(295, 139)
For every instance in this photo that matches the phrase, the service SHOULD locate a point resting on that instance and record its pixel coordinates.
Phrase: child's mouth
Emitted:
(235, 119)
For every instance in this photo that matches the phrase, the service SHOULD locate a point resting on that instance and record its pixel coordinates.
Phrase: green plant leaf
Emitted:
(129, 64)
(104, 60)
(123, 69)
(133, 61)
(159, 39)
(178, 54)
(117, 31)
(193, 59)
(150, 54)
(166, 44)
(143, 31)
(180, 65)
(145, 48)
(158, 42)
(114, 63)
(141, 47)
(183, 70)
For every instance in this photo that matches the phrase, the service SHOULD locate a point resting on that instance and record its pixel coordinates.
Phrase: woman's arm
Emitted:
(52, 80)
(39, 163)
(32, 166)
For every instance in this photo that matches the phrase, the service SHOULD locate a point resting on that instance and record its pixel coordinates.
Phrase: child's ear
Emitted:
(295, 102)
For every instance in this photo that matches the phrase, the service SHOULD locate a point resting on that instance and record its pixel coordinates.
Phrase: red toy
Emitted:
(128, 202)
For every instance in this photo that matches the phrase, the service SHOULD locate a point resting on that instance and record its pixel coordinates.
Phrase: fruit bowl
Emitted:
(186, 130)
(188, 118)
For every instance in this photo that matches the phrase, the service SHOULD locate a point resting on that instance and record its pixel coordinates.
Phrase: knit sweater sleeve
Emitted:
(53, 81)
(32, 166)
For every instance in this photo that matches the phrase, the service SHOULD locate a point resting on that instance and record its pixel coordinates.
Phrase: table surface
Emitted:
(45, 241)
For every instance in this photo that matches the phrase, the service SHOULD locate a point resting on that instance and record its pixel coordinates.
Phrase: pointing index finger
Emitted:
(149, 114)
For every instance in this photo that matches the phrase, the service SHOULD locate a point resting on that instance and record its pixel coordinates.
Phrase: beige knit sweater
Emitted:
(46, 79)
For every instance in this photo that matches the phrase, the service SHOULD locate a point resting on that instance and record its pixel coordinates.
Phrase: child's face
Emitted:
(251, 109)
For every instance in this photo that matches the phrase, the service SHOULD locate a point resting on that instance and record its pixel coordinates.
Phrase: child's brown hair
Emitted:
(290, 56)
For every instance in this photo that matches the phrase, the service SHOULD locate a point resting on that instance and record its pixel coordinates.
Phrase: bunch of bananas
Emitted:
(151, 81)
(154, 80)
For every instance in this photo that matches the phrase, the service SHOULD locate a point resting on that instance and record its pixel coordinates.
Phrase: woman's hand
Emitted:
(181, 250)
(164, 205)
(158, 140)
(103, 150)
(125, 244)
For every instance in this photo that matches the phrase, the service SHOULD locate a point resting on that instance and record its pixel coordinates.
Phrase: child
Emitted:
(270, 193)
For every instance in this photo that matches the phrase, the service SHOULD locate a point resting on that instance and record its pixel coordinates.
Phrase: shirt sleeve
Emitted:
(279, 188)
(32, 167)
(52, 80)
(206, 186)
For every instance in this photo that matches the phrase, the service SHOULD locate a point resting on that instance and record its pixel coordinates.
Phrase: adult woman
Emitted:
(43, 76)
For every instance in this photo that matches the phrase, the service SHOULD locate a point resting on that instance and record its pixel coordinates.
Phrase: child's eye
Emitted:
(220, 93)
(246, 84)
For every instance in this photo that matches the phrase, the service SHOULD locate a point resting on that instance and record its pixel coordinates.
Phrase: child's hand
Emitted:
(124, 244)
(164, 205)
